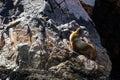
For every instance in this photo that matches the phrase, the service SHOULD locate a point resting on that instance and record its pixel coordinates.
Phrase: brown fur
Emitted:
(83, 46)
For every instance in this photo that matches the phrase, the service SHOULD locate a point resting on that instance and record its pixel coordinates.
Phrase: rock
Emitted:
(22, 58)
(88, 5)
(37, 57)
(44, 51)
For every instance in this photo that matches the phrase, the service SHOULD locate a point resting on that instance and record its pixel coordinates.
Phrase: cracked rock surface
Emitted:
(42, 44)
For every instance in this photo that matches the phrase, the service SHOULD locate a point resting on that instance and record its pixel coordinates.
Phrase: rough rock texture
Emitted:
(43, 48)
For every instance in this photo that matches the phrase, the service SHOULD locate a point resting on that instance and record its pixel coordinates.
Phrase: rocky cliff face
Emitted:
(35, 41)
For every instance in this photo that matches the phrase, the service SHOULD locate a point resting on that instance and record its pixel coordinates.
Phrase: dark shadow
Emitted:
(107, 19)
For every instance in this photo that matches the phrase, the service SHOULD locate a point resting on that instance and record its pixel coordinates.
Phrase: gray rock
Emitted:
(22, 58)
(49, 55)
